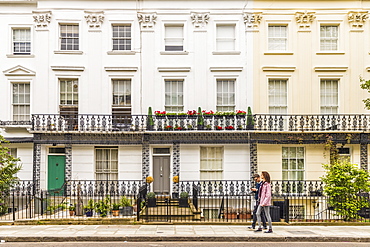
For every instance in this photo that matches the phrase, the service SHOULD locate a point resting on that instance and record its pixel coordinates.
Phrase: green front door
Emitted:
(56, 171)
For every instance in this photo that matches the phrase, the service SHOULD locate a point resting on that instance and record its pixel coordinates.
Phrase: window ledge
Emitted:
(174, 52)
(69, 52)
(278, 53)
(330, 53)
(121, 52)
(19, 56)
(226, 53)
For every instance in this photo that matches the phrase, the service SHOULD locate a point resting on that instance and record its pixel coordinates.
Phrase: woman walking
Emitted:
(265, 201)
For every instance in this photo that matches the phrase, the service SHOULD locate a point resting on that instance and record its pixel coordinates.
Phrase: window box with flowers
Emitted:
(192, 114)
(218, 127)
(229, 127)
(240, 114)
(208, 114)
(168, 127)
(160, 114)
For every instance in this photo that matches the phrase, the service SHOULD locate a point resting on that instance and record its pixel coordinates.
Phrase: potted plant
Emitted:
(200, 119)
(72, 210)
(184, 200)
(152, 201)
(103, 206)
(240, 114)
(127, 209)
(168, 127)
(160, 114)
(192, 114)
(115, 209)
(231, 213)
(217, 127)
(245, 213)
(89, 208)
(250, 121)
(207, 114)
(150, 123)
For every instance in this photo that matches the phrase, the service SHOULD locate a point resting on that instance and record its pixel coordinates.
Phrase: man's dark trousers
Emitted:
(263, 217)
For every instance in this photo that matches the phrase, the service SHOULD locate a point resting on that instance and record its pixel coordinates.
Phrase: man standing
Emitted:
(257, 179)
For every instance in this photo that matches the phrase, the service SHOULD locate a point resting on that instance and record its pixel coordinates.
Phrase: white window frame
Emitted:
(60, 93)
(110, 170)
(220, 39)
(167, 106)
(340, 44)
(218, 106)
(220, 170)
(113, 80)
(12, 82)
(269, 79)
(338, 85)
(13, 29)
(344, 156)
(74, 23)
(115, 24)
(282, 38)
(165, 38)
(329, 38)
(288, 170)
(10, 44)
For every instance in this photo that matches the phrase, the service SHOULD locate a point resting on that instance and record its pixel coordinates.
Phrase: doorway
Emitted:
(161, 174)
(56, 171)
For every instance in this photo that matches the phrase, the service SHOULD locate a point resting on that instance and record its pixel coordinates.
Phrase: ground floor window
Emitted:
(293, 166)
(106, 163)
(211, 159)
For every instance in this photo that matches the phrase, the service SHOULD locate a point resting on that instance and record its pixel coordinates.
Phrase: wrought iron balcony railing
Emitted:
(257, 122)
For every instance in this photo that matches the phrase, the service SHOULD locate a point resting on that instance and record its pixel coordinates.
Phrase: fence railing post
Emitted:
(286, 209)
(13, 209)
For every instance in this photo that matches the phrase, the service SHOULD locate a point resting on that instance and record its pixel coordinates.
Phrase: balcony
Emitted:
(139, 123)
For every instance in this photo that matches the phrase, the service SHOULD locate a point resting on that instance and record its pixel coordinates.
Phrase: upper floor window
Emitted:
(225, 95)
(21, 41)
(21, 101)
(277, 37)
(278, 96)
(121, 97)
(293, 163)
(225, 37)
(174, 95)
(329, 96)
(121, 37)
(69, 37)
(68, 92)
(329, 38)
(211, 159)
(174, 38)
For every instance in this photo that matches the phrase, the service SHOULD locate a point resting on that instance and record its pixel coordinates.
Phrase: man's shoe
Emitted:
(250, 227)
(268, 231)
(258, 230)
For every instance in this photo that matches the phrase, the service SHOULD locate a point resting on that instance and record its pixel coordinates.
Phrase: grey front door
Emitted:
(161, 174)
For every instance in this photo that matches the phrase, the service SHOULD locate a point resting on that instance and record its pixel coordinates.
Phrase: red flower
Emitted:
(178, 128)
(208, 112)
(193, 112)
(239, 112)
(218, 127)
(229, 127)
(160, 113)
(168, 127)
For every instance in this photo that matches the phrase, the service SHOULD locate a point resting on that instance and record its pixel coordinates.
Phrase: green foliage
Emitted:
(343, 184)
(200, 120)
(150, 195)
(366, 86)
(8, 169)
(184, 194)
(115, 206)
(150, 117)
(103, 206)
(90, 205)
(125, 202)
(250, 121)
(72, 207)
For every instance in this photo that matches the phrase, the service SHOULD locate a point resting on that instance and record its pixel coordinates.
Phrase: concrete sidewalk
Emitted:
(209, 233)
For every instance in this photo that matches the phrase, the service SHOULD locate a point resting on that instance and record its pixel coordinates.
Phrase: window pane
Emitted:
(225, 37)
(225, 95)
(174, 95)
(69, 37)
(21, 101)
(277, 40)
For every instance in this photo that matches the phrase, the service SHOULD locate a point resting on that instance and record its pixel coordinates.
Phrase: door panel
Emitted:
(56, 171)
(161, 174)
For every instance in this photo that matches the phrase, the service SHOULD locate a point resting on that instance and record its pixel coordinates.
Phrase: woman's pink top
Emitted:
(265, 194)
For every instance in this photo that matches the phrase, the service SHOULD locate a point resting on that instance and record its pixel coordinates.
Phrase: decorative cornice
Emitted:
(174, 69)
(304, 20)
(226, 69)
(357, 20)
(199, 20)
(279, 68)
(330, 69)
(94, 20)
(41, 19)
(120, 69)
(68, 68)
(252, 21)
(147, 21)
(19, 71)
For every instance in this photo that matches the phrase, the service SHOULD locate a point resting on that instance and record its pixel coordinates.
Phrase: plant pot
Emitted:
(245, 216)
(71, 213)
(115, 212)
(127, 211)
(250, 127)
(89, 213)
(231, 216)
(152, 202)
(184, 202)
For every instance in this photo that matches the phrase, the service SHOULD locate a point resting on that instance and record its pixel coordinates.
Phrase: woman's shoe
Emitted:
(268, 231)
(258, 230)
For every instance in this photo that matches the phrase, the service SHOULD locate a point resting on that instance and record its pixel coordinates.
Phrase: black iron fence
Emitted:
(204, 201)
(257, 122)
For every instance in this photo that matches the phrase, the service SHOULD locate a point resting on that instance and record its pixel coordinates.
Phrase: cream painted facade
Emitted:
(200, 64)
